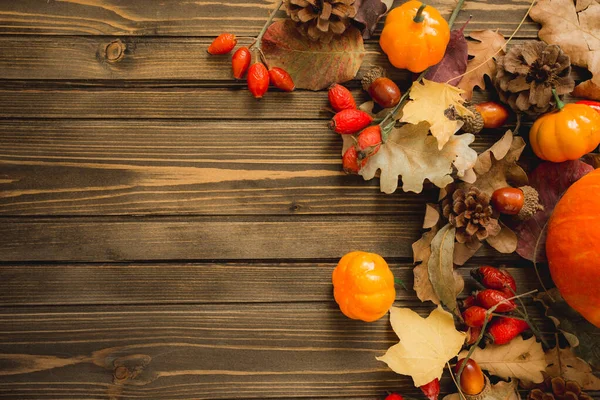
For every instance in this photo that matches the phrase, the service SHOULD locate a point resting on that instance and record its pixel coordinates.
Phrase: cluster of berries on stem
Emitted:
(252, 60)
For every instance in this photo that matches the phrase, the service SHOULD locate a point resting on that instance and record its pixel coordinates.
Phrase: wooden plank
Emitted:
(133, 167)
(198, 102)
(207, 18)
(203, 351)
(195, 283)
(208, 238)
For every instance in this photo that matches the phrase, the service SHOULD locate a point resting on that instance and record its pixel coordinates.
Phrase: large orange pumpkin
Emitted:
(573, 246)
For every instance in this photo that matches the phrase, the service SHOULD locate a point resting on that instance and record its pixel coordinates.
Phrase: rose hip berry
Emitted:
(349, 121)
(494, 278)
(474, 316)
(340, 98)
(489, 298)
(281, 79)
(240, 62)
(222, 44)
(258, 79)
(504, 329)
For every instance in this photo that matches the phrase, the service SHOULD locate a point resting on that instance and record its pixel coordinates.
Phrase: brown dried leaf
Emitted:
(369, 13)
(497, 166)
(432, 216)
(313, 65)
(441, 267)
(464, 251)
(575, 28)
(564, 363)
(488, 42)
(505, 241)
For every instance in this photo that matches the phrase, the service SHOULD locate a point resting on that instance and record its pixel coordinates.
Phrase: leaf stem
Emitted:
(462, 396)
(257, 43)
(404, 97)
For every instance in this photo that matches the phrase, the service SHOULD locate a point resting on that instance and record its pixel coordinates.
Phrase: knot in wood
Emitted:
(115, 51)
(121, 373)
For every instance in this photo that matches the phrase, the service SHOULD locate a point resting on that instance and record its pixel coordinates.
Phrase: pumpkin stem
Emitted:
(559, 103)
(420, 17)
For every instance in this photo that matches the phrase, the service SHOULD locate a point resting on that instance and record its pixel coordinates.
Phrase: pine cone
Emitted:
(321, 19)
(558, 389)
(526, 75)
(470, 212)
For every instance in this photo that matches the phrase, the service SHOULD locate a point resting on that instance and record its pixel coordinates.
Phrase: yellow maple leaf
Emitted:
(430, 100)
(426, 344)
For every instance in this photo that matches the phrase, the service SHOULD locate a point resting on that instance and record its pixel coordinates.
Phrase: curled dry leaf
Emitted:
(368, 14)
(429, 102)
(337, 61)
(454, 62)
(521, 359)
(426, 344)
(551, 180)
(441, 267)
(574, 26)
(581, 334)
(412, 154)
(422, 252)
(563, 363)
(487, 43)
(505, 241)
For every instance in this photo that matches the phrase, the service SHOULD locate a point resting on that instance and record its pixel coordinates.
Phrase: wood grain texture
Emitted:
(197, 352)
(132, 167)
(103, 239)
(206, 18)
(198, 283)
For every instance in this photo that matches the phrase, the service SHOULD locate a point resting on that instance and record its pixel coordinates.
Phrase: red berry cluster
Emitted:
(499, 287)
(349, 120)
(259, 75)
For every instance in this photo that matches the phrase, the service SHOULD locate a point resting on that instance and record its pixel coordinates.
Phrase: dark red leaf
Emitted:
(432, 389)
(454, 62)
(369, 13)
(551, 180)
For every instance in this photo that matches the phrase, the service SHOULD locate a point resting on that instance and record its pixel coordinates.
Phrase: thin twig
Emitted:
(462, 396)
(257, 44)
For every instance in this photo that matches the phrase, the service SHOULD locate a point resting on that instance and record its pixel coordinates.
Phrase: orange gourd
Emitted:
(363, 286)
(566, 134)
(572, 246)
(415, 36)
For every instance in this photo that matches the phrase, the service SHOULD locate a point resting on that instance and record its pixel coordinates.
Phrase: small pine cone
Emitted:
(470, 212)
(531, 203)
(472, 124)
(558, 389)
(526, 75)
(321, 20)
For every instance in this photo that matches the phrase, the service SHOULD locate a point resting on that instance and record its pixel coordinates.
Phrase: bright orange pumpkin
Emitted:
(573, 246)
(566, 134)
(415, 36)
(363, 286)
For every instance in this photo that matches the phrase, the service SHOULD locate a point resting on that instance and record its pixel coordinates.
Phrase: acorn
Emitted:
(523, 201)
(382, 89)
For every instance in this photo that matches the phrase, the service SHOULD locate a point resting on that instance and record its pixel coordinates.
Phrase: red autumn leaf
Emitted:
(551, 180)
(313, 65)
(369, 13)
(432, 389)
(454, 62)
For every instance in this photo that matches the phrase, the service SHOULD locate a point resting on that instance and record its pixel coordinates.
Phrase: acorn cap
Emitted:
(485, 392)
(371, 76)
(472, 124)
(531, 203)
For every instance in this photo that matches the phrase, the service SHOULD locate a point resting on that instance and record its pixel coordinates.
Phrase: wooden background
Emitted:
(163, 235)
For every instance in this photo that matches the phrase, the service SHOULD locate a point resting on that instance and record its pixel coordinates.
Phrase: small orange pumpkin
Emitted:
(415, 36)
(363, 286)
(566, 134)
(572, 246)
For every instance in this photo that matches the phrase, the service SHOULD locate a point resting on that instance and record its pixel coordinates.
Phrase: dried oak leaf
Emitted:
(422, 252)
(500, 391)
(426, 344)
(564, 363)
(521, 359)
(487, 43)
(454, 62)
(369, 13)
(313, 65)
(430, 100)
(582, 335)
(411, 153)
(551, 180)
(575, 27)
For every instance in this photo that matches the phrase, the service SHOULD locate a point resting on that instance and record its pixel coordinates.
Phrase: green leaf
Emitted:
(441, 267)
(313, 65)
